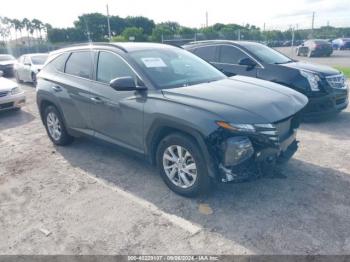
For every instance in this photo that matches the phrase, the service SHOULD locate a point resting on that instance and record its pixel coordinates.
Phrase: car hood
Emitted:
(6, 85)
(320, 69)
(8, 62)
(241, 99)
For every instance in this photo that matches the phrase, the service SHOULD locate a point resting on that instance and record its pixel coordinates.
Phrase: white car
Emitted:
(7, 63)
(28, 66)
(11, 95)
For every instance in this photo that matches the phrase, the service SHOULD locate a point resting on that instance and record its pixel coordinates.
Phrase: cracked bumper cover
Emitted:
(261, 159)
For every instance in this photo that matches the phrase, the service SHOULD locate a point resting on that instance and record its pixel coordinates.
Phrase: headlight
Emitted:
(15, 90)
(237, 127)
(236, 150)
(312, 78)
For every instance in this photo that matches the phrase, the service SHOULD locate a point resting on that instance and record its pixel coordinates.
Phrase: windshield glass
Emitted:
(6, 57)
(267, 54)
(172, 67)
(39, 59)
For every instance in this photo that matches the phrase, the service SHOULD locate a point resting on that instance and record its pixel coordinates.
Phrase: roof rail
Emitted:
(97, 43)
(209, 41)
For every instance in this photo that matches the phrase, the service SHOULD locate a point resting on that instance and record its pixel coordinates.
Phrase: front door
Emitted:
(229, 57)
(117, 116)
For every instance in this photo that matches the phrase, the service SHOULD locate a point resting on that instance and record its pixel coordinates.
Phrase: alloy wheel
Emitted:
(179, 166)
(54, 126)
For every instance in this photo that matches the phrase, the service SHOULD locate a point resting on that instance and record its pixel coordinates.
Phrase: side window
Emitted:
(206, 52)
(79, 64)
(111, 66)
(231, 55)
(57, 63)
(26, 60)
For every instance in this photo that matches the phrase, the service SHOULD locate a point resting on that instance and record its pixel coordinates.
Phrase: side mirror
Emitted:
(247, 62)
(126, 83)
(1, 73)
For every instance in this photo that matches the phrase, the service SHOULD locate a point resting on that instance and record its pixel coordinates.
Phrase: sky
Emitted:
(275, 14)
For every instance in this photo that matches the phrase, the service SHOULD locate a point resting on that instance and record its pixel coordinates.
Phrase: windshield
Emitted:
(172, 67)
(6, 57)
(267, 54)
(39, 59)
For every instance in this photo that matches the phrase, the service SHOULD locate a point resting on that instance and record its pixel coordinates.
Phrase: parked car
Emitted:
(170, 106)
(11, 95)
(341, 43)
(6, 64)
(324, 86)
(316, 47)
(28, 66)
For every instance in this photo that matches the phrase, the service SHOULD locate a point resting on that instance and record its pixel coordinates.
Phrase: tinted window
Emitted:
(57, 63)
(207, 53)
(231, 55)
(79, 64)
(111, 66)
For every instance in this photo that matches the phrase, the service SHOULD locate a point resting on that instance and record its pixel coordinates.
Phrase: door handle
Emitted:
(57, 88)
(96, 100)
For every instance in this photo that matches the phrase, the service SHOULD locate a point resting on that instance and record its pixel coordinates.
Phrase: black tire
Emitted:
(17, 78)
(65, 138)
(34, 80)
(202, 182)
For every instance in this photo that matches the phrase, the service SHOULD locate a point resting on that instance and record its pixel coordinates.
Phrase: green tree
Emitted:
(140, 22)
(135, 33)
(94, 26)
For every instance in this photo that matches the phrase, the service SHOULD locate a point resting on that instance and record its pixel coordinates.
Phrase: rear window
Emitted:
(80, 64)
(57, 63)
(206, 52)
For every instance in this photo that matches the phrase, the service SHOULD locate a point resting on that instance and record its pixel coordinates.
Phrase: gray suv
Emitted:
(173, 108)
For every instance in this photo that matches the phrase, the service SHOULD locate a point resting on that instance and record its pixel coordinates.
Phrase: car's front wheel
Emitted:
(55, 127)
(182, 165)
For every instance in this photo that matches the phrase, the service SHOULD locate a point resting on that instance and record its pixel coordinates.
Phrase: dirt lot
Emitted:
(90, 198)
(338, 58)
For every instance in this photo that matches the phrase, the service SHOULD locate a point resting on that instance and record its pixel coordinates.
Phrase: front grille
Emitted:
(336, 81)
(6, 105)
(277, 131)
(4, 93)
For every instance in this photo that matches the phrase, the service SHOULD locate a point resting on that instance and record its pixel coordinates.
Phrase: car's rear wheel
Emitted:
(182, 165)
(34, 79)
(55, 127)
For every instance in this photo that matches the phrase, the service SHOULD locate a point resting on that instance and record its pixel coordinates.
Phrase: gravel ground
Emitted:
(338, 58)
(90, 198)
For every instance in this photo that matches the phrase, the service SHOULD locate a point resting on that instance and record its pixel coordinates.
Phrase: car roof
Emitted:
(35, 54)
(124, 46)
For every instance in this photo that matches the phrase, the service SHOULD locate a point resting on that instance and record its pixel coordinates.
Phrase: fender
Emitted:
(155, 133)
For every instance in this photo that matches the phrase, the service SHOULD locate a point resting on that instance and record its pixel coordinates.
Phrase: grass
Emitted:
(345, 70)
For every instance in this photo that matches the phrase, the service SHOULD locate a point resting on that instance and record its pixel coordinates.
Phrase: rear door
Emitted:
(73, 89)
(208, 53)
(228, 62)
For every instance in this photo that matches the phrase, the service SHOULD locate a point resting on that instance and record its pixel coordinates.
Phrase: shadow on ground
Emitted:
(11, 119)
(307, 211)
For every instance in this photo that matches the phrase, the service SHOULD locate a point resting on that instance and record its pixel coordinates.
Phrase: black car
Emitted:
(315, 47)
(171, 107)
(7, 63)
(324, 86)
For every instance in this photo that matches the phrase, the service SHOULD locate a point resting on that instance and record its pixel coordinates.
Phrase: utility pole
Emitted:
(109, 25)
(239, 34)
(312, 24)
(206, 19)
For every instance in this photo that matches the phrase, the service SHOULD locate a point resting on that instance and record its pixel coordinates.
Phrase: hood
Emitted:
(8, 62)
(6, 85)
(241, 99)
(320, 69)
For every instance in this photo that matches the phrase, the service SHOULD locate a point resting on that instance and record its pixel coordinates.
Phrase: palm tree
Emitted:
(37, 26)
(28, 26)
(18, 26)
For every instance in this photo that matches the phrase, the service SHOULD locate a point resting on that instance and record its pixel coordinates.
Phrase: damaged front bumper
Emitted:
(242, 158)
